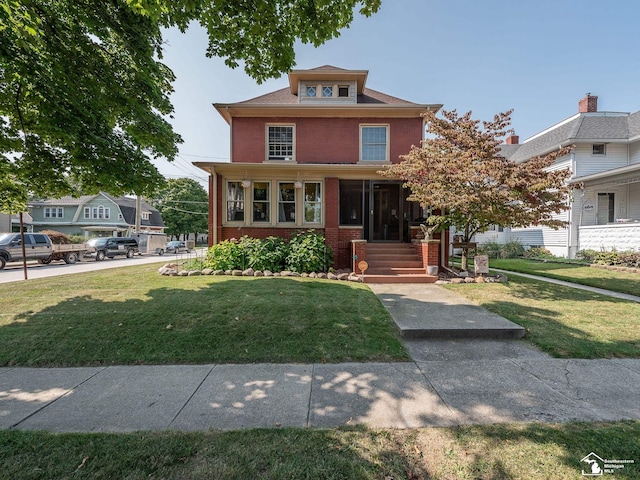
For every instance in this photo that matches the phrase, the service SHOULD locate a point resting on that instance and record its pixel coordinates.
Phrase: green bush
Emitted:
(308, 252)
(226, 255)
(588, 256)
(305, 252)
(538, 252)
(512, 249)
(491, 249)
(265, 254)
(625, 259)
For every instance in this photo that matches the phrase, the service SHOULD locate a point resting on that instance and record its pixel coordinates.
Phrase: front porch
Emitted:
(615, 236)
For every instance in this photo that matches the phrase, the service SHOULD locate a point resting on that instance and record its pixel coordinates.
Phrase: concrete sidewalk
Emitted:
(449, 382)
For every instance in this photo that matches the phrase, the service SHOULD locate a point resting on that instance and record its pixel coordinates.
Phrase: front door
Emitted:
(385, 212)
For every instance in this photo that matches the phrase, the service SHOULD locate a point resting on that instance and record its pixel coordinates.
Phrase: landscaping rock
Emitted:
(183, 273)
(313, 275)
(194, 273)
(218, 272)
(354, 278)
(469, 280)
(236, 273)
(322, 275)
(268, 273)
(457, 280)
(207, 271)
(343, 276)
(227, 272)
(248, 272)
(258, 273)
(332, 276)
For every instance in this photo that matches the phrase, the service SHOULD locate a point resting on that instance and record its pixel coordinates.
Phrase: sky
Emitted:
(537, 57)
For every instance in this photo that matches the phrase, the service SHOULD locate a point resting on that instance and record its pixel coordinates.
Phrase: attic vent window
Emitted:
(343, 91)
(311, 91)
(327, 91)
(599, 149)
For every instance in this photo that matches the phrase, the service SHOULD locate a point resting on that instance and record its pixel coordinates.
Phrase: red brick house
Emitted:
(308, 156)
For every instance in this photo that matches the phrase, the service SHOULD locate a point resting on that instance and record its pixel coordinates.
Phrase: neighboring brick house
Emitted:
(605, 214)
(100, 215)
(308, 156)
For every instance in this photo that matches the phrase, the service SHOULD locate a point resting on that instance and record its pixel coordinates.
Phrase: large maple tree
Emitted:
(85, 97)
(459, 170)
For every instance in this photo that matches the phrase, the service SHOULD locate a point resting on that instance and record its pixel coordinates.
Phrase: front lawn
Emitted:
(133, 315)
(616, 281)
(565, 322)
(470, 452)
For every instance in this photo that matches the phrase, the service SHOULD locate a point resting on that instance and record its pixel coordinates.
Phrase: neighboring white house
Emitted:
(605, 213)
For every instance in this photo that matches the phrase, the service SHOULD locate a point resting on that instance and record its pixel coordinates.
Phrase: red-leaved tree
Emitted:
(460, 171)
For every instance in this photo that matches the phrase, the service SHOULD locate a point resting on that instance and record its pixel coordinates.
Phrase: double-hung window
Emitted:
(261, 202)
(312, 202)
(280, 142)
(374, 143)
(235, 202)
(286, 202)
(53, 212)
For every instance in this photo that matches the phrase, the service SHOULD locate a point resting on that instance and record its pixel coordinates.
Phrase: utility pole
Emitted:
(138, 213)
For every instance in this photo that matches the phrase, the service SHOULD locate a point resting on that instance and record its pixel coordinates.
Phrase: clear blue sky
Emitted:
(538, 57)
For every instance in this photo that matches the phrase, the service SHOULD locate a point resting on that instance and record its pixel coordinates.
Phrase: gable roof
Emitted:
(127, 207)
(582, 127)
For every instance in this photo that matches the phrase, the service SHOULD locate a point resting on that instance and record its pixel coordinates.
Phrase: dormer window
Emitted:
(599, 149)
(343, 91)
(311, 91)
(327, 91)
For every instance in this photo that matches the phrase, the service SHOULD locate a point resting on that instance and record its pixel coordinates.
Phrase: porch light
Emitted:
(298, 185)
(246, 183)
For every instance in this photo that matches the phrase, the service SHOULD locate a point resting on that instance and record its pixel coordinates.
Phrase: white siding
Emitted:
(319, 99)
(634, 201)
(634, 152)
(560, 163)
(588, 164)
(620, 237)
(589, 204)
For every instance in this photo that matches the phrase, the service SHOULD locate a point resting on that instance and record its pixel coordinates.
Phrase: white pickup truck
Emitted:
(38, 246)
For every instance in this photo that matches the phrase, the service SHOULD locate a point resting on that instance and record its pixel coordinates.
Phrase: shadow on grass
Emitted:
(206, 321)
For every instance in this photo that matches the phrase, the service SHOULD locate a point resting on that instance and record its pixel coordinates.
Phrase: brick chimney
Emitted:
(512, 140)
(588, 104)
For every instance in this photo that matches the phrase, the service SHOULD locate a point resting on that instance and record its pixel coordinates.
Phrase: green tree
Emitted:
(84, 96)
(183, 204)
(460, 171)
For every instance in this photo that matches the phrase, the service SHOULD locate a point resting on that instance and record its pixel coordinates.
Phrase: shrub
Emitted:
(491, 249)
(512, 249)
(588, 256)
(226, 255)
(538, 252)
(308, 252)
(265, 254)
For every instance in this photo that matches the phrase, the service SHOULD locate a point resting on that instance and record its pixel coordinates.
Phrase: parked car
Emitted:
(177, 246)
(110, 247)
(37, 246)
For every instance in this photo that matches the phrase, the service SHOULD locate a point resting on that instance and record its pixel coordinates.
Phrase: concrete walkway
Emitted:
(601, 291)
(449, 382)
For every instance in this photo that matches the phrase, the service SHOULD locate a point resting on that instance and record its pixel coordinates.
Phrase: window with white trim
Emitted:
(235, 202)
(374, 143)
(261, 201)
(87, 212)
(280, 142)
(286, 202)
(145, 215)
(53, 212)
(343, 91)
(311, 91)
(312, 197)
(327, 91)
(599, 149)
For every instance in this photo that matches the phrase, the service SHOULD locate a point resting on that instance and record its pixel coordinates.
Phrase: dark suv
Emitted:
(112, 246)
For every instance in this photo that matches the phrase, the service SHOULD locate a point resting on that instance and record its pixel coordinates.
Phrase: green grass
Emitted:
(616, 281)
(135, 316)
(563, 321)
(469, 452)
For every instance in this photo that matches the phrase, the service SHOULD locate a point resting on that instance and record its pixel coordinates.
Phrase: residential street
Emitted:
(13, 272)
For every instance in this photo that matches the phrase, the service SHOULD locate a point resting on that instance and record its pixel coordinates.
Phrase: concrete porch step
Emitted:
(400, 278)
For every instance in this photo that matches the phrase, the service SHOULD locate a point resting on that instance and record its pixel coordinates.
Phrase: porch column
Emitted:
(358, 254)
(431, 256)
